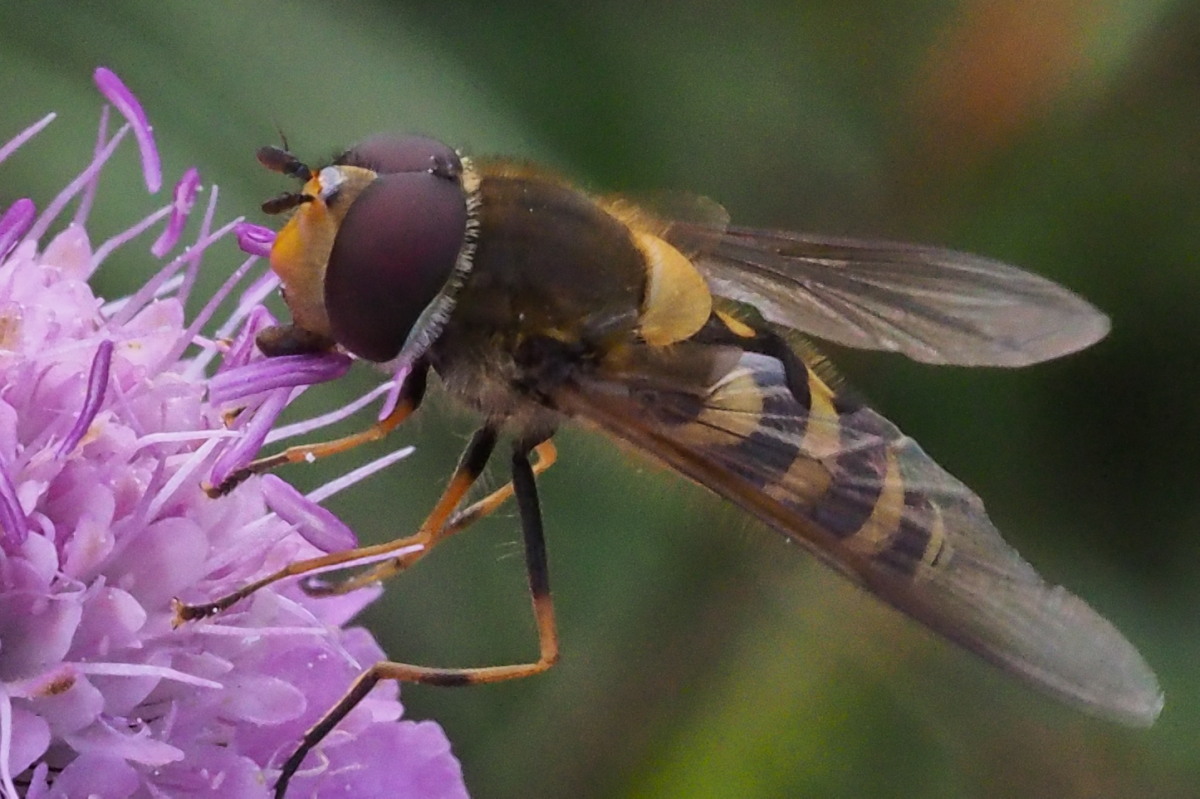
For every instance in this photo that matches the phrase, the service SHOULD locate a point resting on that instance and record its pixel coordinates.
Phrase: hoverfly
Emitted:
(537, 304)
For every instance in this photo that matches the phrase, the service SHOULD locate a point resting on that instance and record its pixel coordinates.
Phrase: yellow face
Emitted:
(301, 250)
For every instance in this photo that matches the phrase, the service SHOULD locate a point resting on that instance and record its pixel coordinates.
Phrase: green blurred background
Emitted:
(702, 657)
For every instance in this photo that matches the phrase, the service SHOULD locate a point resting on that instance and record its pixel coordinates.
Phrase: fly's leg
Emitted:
(525, 489)
(409, 400)
(546, 456)
(470, 465)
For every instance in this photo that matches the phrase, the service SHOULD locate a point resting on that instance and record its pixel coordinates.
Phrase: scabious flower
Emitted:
(112, 417)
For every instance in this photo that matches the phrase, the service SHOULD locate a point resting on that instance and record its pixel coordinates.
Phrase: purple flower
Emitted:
(107, 434)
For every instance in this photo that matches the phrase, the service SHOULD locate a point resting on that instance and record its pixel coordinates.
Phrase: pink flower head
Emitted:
(108, 432)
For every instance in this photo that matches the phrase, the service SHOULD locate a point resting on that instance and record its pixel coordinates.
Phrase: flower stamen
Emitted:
(182, 200)
(13, 144)
(13, 224)
(117, 93)
(96, 388)
(77, 185)
(88, 197)
(14, 525)
(150, 289)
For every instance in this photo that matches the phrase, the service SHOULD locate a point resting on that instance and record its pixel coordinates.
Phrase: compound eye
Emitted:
(391, 154)
(393, 253)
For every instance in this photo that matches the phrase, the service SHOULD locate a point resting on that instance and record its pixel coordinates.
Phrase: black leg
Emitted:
(525, 489)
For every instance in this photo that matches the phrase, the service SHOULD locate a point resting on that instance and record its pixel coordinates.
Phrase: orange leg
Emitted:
(474, 458)
(409, 400)
(546, 456)
(524, 487)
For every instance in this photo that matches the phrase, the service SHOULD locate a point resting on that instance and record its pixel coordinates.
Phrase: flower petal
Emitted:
(263, 700)
(319, 527)
(30, 739)
(36, 631)
(96, 774)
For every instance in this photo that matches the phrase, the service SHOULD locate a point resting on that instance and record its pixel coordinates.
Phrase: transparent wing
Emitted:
(849, 486)
(931, 304)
